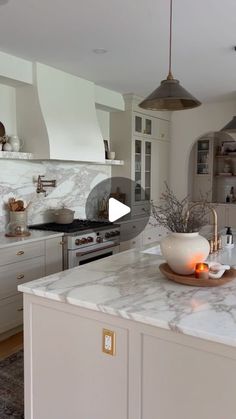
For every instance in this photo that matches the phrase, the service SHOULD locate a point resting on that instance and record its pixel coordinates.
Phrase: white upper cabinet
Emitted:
(142, 166)
(163, 129)
(150, 127)
(142, 141)
(143, 125)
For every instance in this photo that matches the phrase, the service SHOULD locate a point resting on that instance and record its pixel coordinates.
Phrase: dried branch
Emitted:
(172, 213)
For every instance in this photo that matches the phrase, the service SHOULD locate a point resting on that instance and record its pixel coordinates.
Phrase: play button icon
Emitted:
(117, 210)
(119, 200)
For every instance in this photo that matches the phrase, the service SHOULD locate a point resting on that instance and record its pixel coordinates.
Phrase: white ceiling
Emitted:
(135, 33)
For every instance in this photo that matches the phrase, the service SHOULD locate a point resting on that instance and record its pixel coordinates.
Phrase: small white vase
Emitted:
(183, 250)
(7, 147)
(15, 142)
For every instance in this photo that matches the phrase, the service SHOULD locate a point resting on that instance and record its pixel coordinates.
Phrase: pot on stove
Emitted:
(64, 216)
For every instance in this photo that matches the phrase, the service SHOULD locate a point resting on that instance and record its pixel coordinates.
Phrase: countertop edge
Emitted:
(132, 316)
(16, 241)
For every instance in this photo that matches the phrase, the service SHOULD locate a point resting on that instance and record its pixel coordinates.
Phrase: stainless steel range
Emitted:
(85, 241)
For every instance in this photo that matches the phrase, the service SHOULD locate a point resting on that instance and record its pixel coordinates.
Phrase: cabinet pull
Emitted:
(20, 309)
(21, 252)
(20, 276)
(62, 243)
(162, 135)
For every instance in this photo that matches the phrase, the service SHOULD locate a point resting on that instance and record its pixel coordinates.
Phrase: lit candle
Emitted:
(202, 271)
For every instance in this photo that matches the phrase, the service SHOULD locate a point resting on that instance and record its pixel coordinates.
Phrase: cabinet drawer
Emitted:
(154, 234)
(150, 236)
(18, 273)
(128, 230)
(11, 312)
(131, 244)
(21, 252)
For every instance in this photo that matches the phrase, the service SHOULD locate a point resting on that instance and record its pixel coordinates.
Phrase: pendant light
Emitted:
(170, 95)
(231, 126)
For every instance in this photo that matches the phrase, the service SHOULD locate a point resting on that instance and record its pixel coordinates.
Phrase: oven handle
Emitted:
(79, 254)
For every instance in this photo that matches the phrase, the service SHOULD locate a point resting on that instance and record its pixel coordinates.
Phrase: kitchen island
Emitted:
(174, 353)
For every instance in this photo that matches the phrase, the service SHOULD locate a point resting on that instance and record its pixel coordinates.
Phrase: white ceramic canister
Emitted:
(183, 250)
(15, 142)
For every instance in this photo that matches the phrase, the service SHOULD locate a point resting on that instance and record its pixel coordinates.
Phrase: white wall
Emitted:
(187, 127)
(8, 108)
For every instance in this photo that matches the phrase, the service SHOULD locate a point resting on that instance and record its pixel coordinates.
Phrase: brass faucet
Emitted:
(215, 243)
(41, 184)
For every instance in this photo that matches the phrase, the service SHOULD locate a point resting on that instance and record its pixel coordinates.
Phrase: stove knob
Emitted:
(107, 235)
(77, 242)
(117, 233)
(84, 240)
(99, 239)
(89, 239)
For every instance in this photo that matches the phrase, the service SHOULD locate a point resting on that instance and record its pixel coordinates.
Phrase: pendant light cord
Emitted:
(170, 75)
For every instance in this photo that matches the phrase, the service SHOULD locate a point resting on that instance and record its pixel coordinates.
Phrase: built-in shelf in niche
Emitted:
(115, 162)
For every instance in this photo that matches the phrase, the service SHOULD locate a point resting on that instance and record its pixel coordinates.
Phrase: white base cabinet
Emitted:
(154, 374)
(149, 235)
(53, 255)
(19, 264)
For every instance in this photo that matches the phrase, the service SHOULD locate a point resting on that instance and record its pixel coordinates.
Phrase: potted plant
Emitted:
(184, 247)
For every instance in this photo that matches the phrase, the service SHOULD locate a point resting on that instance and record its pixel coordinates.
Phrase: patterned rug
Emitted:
(12, 387)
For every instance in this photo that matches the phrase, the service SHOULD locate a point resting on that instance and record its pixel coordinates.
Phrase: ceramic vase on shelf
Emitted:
(183, 250)
(15, 143)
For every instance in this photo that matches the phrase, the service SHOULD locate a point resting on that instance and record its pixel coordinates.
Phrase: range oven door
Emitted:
(89, 254)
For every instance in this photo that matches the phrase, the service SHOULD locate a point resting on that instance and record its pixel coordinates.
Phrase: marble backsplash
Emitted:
(74, 182)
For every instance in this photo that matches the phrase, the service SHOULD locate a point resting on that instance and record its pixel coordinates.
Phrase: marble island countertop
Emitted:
(130, 285)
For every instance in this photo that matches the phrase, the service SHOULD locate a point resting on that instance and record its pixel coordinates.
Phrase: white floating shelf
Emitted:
(15, 155)
(115, 162)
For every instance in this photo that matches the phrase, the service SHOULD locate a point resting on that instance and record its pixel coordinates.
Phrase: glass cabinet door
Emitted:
(147, 179)
(138, 170)
(148, 126)
(138, 124)
(143, 125)
(142, 161)
(203, 148)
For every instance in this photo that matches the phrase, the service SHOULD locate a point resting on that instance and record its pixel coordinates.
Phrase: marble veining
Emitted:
(74, 182)
(130, 285)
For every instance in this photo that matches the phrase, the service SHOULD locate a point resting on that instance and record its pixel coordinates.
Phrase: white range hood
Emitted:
(57, 117)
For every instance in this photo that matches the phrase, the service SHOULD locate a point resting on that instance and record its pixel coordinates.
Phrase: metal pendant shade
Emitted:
(170, 95)
(231, 126)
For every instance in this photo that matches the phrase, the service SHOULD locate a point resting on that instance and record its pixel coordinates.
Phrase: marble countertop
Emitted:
(130, 285)
(34, 236)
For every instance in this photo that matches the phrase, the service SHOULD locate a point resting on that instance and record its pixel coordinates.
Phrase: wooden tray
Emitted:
(195, 282)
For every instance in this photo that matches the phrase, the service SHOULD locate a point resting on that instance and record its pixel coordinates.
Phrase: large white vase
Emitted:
(183, 250)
